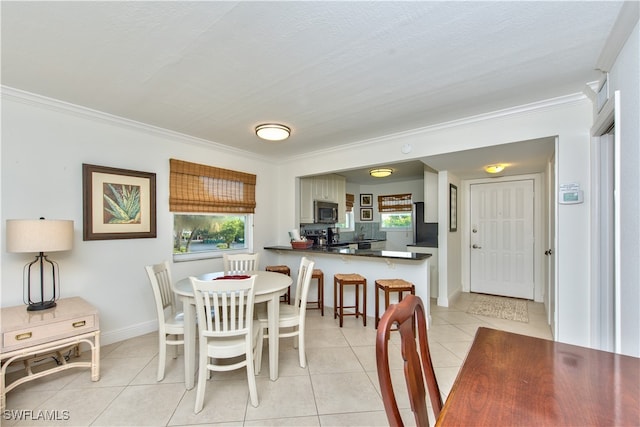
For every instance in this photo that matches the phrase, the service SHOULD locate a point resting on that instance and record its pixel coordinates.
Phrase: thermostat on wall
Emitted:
(570, 194)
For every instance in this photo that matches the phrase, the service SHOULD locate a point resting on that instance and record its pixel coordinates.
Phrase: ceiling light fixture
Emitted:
(497, 168)
(380, 172)
(273, 131)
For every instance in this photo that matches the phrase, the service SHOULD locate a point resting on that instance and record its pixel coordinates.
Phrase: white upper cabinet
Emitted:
(328, 188)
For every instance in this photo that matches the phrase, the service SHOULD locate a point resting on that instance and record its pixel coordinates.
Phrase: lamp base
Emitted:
(37, 306)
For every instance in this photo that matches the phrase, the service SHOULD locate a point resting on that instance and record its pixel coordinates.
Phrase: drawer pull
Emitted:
(23, 336)
(79, 324)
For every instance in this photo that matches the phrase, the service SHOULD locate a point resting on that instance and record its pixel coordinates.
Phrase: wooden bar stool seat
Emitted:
(319, 276)
(283, 269)
(342, 280)
(391, 285)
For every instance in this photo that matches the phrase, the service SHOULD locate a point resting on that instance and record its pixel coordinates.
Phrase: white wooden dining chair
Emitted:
(231, 332)
(240, 263)
(170, 320)
(292, 317)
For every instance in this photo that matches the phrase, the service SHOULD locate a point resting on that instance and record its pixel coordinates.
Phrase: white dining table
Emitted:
(268, 288)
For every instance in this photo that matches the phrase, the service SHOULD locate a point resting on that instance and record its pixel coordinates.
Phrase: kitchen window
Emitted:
(349, 221)
(213, 210)
(396, 212)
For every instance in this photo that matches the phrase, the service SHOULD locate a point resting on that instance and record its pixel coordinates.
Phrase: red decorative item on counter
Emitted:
(305, 244)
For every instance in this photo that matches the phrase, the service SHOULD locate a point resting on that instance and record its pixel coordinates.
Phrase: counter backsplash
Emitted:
(369, 230)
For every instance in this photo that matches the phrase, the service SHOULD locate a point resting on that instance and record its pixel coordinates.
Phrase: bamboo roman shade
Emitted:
(201, 188)
(395, 203)
(349, 202)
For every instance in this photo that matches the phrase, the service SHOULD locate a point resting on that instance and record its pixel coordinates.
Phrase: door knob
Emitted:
(476, 247)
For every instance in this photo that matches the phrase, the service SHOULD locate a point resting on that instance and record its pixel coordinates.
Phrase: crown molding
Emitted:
(99, 116)
(624, 25)
(506, 112)
(57, 105)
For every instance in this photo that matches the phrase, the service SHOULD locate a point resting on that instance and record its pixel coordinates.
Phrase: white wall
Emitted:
(623, 76)
(43, 148)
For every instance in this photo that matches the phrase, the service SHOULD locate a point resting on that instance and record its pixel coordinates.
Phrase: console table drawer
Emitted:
(33, 335)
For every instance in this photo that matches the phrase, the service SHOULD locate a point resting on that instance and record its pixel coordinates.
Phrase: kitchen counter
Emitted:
(424, 244)
(341, 250)
(372, 264)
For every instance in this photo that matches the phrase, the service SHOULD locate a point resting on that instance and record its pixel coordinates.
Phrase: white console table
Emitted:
(27, 335)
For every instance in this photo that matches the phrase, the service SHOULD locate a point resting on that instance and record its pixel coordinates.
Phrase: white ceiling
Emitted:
(335, 72)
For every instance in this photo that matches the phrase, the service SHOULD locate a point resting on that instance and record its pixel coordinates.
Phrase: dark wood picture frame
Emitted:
(366, 200)
(453, 207)
(366, 214)
(118, 203)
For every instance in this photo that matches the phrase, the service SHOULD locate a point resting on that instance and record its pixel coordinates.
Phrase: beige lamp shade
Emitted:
(39, 235)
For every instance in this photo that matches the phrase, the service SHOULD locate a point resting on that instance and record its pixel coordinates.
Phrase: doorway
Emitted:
(502, 238)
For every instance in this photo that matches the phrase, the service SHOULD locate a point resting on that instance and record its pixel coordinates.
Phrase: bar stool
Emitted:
(319, 276)
(391, 285)
(283, 269)
(343, 280)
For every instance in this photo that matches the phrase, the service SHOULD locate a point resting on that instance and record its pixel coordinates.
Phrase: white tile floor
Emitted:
(339, 387)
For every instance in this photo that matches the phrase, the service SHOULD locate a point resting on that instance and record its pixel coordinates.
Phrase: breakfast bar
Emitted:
(372, 264)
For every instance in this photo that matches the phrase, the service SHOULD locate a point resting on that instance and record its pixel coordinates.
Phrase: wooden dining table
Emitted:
(268, 288)
(515, 380)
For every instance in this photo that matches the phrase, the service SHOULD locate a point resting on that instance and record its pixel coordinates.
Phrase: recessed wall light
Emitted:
(273, 131)
(380, 172)
(497, 168)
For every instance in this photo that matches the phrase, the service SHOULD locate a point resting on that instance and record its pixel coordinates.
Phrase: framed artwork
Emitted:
(118, 203)
(453, 207)
(366, 214)
(366, 200)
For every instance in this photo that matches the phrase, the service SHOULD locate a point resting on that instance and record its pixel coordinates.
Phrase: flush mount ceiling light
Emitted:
(494, 168)
(380, 172)
(273, 131)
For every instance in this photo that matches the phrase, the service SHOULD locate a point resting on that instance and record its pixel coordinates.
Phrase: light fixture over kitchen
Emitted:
(497, 168)
(380, 172)
(273, 131)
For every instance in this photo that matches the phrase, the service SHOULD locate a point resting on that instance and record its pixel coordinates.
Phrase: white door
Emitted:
(502, 238)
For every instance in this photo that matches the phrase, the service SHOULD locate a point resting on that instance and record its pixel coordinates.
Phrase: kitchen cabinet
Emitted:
(306, 200)
(328, 188)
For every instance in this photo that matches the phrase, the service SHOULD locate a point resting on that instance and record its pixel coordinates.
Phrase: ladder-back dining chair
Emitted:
(229, 333)
(292, 317)
(416, 366)
(170, 320)
(240, 263)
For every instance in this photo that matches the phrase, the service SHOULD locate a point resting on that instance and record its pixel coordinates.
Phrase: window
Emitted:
(198, 236)
(213, 210)
(349, 224)
(396, 212)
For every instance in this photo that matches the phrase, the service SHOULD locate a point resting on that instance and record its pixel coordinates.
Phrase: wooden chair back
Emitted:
(418, 368)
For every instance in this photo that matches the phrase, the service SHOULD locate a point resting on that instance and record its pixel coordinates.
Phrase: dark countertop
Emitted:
(355, 252)
(424, 244)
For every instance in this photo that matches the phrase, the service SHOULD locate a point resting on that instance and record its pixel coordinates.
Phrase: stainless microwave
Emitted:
(325, 212)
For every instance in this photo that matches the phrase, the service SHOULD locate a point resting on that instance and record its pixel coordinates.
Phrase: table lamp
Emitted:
(40, 236)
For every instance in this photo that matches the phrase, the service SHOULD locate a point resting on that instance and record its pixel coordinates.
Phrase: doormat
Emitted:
(500, 308)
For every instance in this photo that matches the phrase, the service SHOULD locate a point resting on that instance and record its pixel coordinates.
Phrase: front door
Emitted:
(502, 239)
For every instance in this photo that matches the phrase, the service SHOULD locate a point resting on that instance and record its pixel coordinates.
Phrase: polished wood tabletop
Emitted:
(515, 380)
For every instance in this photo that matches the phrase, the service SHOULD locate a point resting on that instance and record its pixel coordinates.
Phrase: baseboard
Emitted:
(133, 331)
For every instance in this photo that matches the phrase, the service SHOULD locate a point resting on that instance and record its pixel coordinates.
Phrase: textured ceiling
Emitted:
(335, 72)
